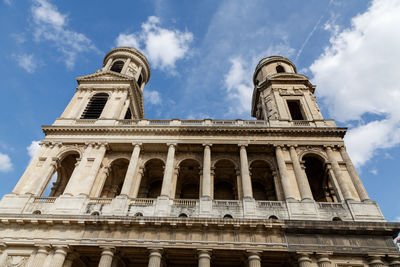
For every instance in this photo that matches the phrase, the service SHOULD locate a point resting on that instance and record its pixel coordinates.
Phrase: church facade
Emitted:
(111, 188)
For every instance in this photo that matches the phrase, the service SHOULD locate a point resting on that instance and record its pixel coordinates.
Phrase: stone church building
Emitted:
(112, 188)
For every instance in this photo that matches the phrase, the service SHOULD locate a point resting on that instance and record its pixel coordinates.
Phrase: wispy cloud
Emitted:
(5, 163)
(33, 148)
(360, 66)
(27, 62)
(52, 26)
(152, 97)
(164, 47)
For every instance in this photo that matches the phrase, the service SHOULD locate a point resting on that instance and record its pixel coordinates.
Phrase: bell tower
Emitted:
(112, 93)
(282, 96)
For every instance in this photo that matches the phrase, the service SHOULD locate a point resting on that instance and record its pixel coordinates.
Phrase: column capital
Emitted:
(303, 256)
(61, 249)
(394, 260)
(107, 250)
(156, 252)
(137, 144)
(243, 145)
(43, 248)
(292, 146)
(207, 145)
(204, 253)
(172, 144)
(323, 257)
(375, 259)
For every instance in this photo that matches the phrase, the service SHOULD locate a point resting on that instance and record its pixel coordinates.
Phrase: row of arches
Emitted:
(226, 184)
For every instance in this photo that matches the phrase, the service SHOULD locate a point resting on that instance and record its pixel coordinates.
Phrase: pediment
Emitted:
(104, 75)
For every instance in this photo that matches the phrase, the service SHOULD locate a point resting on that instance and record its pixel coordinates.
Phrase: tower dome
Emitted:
(128, 61)
(270, 66)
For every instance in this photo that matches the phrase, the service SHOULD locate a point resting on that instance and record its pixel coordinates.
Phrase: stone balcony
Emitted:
(194, 208)
(196, 123)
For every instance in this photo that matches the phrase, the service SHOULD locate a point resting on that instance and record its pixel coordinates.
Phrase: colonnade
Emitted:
(63, 258)
(83, 180)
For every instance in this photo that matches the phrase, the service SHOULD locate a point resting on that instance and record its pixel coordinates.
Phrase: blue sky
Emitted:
(202, 55)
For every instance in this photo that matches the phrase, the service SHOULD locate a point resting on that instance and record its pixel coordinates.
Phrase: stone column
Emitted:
(174, 182)
(336, 170)
(239, 184)
(108, 64)
(278, 187)
(86, 183)
(41, 255)
(284, 174)
(3, 254)
(169, 169)
(119, 104)
(244, 171)
(204, 258)
(131, 172)
(59, 256)
(302, 181)
(324, 261)
(75, 179)
(99, 184)
(375, 261)
(126, 64)
(136, 186)
(334, 182)
(304, 260)
(81, 104)
(254, 259)
(394, 261)
(107, 256)
(155, 258)
(206, 183)
(362, 193)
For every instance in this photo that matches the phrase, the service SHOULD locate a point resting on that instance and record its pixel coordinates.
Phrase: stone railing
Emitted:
(44, 199)
(142, 201)
(270, 204)
(99, 200)
(330, 205)
(186, 202)
(227, 203)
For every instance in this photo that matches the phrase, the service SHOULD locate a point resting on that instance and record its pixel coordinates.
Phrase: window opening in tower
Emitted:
(295, 110)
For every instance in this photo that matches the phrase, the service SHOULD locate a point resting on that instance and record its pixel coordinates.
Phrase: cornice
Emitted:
(200, 130)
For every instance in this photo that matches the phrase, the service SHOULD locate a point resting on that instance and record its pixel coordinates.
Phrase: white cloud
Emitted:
(238, 80)
(27, 62)
(153, 97)
(50, 25)
(8, 2)
(127, 40)
(5, 163)
(357, 75)
(162, 46)
(397, 219)
(374, 171)
(33, 148)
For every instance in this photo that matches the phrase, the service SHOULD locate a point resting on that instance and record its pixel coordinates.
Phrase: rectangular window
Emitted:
(295, 110)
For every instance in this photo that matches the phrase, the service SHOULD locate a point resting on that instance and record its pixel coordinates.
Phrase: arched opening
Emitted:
(225, 181)
(117, 66)
(336, 219)
(319, 179)
(183, 215)
(188, 183)
(64, 171)
(140, 80)
(113, 184)
(151, 183)
(280, 69)
(138, 214)
(228, 216)
(95, 107)
(262, 181)
(272, 217)
(37, 212)
(95, 213)
(128, 114)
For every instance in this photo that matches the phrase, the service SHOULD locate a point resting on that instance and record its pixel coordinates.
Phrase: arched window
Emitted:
(151, 183)
(188, 184)
(128, 114)
(225, 181)
(113, 184)
(117, 66)
(140, 80)
(319, 179)
(280, 69)
(95, 107)
(262, 181)
(60, 179)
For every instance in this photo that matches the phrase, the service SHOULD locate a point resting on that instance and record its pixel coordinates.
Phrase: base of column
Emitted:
(66, 204)
(163, 206)
(12, 203)
(206, 207)
(249, 207)
(119, 206)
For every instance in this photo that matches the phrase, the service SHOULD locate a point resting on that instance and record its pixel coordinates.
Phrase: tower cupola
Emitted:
(130, 62)
(270, 66)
